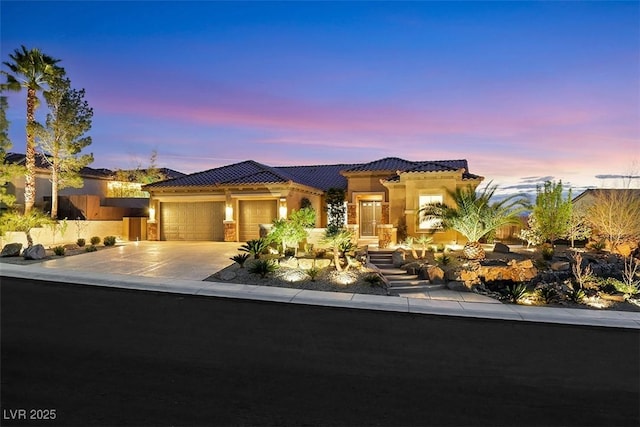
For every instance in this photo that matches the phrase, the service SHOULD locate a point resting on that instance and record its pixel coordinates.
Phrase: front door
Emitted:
(370, 214)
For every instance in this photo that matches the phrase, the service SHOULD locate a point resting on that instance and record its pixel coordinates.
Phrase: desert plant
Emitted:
(442, 259)
(81, 242)
(552, 212)
(576, 294)
(548, 294)
(255, 247)
(597, 245)
(474, 215)
(240, 259)
(263, 267)
(409, 244)
(424, 242)
(59, 250)
(373, 280)
(582, 273)
(313, 273)
(95, 240)
(516, 292)
(15, 221)
(337, 240)
(615, 215)
(109, 240)
(91, 248)
(548, 251)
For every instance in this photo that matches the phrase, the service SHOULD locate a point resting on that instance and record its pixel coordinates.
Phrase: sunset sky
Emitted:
(524, 91)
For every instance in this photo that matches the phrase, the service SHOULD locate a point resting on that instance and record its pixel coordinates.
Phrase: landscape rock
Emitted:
(514, 271)
(501, 248)
(227, 275)
(435, 274)
(289, 262)
(560, 266)
(305, 263)
(11, 249)
(457, 286)
(34, 252)
(398, 258)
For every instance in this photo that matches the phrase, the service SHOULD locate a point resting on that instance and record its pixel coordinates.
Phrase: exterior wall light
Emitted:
(283, 208)
(152, 214)
(228, 213)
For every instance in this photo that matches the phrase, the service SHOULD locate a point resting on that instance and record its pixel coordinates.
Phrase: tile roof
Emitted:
(321, 177)
(41, 163)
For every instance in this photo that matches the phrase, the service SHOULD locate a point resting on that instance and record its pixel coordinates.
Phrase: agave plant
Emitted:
(474, 215)
(254, 247)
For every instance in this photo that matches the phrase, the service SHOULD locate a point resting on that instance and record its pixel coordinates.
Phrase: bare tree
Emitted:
(615, 215)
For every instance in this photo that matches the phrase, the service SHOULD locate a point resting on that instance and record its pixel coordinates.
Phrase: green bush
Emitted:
(91, 248)
(373, 280)
(81, 242)
(443, 259)
(59, 250)
(547, 251)
(95, 240)
(577, 295)
(313, 273)
(240, 259)
(109, 240)
(263, 267)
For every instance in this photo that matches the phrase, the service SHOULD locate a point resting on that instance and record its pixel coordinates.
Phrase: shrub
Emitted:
(516, 292)
(576, 294)
(91, 248)
(373, 280)
(290, 252)
(109, 240)
(59, 250)
(240, 259)
(95, 240)
(313, 272)
(81, 242)
(263, 267)
(443, 259)
(597, 245)
(548, 294)
(254, 247)
(547, 251)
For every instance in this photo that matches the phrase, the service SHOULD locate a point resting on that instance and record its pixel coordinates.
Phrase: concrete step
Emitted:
(416, 288)
(393, 271)
(383, 265)
(402, 283)
(380, 259)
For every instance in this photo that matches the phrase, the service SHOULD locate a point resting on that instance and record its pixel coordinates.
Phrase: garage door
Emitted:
(252, 214)
(192, 221)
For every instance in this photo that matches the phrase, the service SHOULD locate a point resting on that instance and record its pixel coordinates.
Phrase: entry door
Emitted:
(370, 214)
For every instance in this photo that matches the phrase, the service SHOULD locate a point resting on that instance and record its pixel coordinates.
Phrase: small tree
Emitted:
(7, 171)
(335, 210)
(63, 137)
(15, 221)
(290, 232)
(615, 215)
(552, 211)
(338, 240)
(531, 234)
(578, 228)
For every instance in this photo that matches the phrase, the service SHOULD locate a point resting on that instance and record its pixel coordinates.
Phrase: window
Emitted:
(431, 199)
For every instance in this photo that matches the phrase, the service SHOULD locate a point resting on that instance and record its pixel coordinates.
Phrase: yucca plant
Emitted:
(548, 295)
(516, 292)
(263, 267)
(373, 280)
(254, 247)
(474, 215)
(313, 273)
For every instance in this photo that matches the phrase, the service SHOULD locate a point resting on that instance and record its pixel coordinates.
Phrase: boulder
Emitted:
(34, 252)
(501, 248)
(457, 286)
(227, 275)
(435, 274)
(560, 266)
(305, 263)
(398, 258)
(289, 262)
(11, 249)
(514, 271)
(423, 273)
(323, 262)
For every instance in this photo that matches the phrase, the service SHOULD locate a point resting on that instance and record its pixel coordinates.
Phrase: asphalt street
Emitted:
(109, 357)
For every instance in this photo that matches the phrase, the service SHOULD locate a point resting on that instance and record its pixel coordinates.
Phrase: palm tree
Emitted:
(30, 70)
(474, 215)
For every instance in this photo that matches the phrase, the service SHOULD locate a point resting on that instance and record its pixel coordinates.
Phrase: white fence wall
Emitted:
(74, 229)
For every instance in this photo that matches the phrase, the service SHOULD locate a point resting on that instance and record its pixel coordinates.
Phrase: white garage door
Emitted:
(252, 214)
(192, 221)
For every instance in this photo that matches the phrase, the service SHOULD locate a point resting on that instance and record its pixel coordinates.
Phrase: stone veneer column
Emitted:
(352, 218)
(152, 231)
(229, 231)
(385, 213)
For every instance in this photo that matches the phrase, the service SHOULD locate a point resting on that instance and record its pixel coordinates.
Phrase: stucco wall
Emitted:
(74, 229)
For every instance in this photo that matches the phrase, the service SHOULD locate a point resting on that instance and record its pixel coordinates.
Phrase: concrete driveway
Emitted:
(180, 260)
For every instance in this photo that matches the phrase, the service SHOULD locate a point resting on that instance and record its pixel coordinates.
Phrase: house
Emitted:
(584, 200)
(101, 196)
(229, 203)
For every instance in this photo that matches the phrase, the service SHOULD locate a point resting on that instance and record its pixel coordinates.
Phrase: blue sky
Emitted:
(524, 91)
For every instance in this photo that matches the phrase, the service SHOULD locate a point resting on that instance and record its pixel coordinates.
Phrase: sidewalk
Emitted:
(615, 319)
